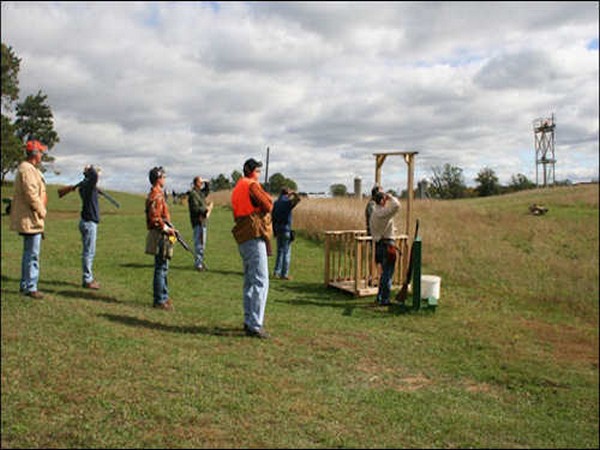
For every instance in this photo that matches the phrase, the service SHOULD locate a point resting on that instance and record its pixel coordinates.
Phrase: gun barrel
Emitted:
(109, 198)
(183, 243)
(179, 238)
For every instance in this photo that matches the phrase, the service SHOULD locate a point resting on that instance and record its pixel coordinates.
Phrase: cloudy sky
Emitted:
(199, 87)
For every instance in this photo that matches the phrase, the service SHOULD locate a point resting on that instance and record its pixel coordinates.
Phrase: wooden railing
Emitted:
(350, 262)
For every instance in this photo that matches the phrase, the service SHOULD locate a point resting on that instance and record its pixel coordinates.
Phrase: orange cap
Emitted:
(35, 145)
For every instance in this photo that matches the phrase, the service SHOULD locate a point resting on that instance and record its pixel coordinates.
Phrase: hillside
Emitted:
(509, 358)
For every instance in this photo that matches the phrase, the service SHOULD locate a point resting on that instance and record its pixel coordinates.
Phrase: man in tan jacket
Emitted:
(384, 233)
(28, 212)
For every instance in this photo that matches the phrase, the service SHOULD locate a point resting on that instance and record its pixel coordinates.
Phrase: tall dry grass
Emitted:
(315, 216)
(492, 246)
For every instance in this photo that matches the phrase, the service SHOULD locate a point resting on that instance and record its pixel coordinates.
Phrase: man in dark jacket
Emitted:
(199, 211)
(88, 225)
(282, 229)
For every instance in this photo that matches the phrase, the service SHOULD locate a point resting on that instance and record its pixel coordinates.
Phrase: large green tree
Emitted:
(235, 176)
(10, 77)
(12, 148)
(520, 182)
(487, 183)
(338, 190)
(278, 181)
(34, 116)
(35, 120)
(447, 182)
(219, 183)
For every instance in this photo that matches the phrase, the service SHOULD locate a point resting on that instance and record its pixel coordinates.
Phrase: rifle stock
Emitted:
(67, 189)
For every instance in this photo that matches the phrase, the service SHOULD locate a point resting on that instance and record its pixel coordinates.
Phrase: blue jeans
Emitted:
(199, 245)
(160, 283)
(284, 254)
(256, 282)
(89, 231)
(387, 272)
(30, 263)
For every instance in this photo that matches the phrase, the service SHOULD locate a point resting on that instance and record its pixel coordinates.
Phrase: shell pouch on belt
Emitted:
(165, 246)
(247, 227)
(158, 242)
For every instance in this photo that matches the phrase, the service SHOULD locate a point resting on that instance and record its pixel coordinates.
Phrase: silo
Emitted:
(358, 187)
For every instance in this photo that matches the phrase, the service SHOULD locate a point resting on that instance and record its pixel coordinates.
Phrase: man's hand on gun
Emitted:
(172, 231)
(65, 190)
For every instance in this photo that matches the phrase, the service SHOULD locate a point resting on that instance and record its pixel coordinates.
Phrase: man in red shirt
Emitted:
(252, 231)
(158, 242)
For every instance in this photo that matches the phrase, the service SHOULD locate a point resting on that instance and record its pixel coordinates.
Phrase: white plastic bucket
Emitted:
(430, 288)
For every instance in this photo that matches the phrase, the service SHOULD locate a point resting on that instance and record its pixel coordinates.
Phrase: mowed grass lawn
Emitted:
(509, 358)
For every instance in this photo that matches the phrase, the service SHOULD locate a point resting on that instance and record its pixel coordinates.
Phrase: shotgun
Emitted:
(109, 198)
(402, 293)
(179, 238)
(67, 189)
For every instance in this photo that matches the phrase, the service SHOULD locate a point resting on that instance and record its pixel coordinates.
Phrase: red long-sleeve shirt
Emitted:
(157, 210)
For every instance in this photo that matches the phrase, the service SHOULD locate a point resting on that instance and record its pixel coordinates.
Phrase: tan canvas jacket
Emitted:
(28, 208)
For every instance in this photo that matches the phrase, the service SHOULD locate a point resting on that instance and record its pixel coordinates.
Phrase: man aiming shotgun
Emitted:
(90, 218)
(67, 189)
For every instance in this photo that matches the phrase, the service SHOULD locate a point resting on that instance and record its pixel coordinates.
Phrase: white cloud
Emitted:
(200, 87)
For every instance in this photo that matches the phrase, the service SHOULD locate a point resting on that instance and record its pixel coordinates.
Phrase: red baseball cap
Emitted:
(35, 145)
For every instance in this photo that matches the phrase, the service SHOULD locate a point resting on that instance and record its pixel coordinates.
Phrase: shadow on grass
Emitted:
(237, 273)
(184, 329)
(43, 282)
(316, 294)
(138, 265)
(88, 295)
(79, 293)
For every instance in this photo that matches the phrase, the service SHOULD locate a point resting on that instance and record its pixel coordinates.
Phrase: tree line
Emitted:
(448, 182)
(274, 184)
(30, 119)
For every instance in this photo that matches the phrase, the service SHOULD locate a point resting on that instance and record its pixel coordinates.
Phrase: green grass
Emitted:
(508, 360)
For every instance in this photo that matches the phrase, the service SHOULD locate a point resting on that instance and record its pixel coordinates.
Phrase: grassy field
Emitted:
(508, 360)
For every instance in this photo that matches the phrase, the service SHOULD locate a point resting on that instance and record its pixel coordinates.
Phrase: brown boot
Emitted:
(166, 306)
(92, 285)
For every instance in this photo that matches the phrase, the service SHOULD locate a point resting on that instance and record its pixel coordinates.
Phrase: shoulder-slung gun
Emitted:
(67, 189)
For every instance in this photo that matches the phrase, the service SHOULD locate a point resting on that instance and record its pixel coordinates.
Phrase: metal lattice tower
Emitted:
(543, 130)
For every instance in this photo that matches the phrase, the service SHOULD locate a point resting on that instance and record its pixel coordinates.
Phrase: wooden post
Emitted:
(409, 158)
(379, 159)
(357, 264)
(327, 258)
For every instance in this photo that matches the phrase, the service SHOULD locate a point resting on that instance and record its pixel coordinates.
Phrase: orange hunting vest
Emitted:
(240, 198)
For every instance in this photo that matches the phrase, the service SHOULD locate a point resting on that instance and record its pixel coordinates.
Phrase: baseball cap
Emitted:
(33, 145)
(250, 166)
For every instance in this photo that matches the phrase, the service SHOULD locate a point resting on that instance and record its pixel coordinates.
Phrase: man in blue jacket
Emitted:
(282, 229)
(88, 225)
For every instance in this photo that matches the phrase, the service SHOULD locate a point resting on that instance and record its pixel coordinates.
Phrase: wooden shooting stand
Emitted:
(350, 254)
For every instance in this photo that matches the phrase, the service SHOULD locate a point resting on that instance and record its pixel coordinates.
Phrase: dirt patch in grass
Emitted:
(377, 375)
(62, 215)
(569, 344)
